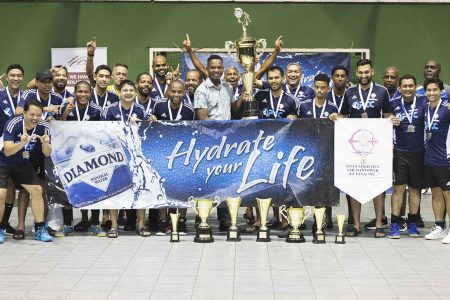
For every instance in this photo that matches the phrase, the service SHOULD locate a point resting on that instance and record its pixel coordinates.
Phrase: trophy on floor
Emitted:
(319, 236)
(340, 237)
(247, 53)
(263, 234)
(203, 208)
(233, 207)
(174, 236)
(296, 217)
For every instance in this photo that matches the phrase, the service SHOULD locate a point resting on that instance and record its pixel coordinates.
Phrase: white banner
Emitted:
(74, 59)
(363, 153)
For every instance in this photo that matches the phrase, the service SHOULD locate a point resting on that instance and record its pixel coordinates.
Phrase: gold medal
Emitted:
(429, 135)
(364, 115)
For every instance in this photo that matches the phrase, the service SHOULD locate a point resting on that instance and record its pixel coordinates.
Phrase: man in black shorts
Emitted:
(22, 134)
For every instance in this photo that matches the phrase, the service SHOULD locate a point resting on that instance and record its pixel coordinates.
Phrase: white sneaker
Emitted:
(437, 232)
(446, 240)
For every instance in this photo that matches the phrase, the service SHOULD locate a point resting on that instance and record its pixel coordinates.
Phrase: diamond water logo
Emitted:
(93, 163)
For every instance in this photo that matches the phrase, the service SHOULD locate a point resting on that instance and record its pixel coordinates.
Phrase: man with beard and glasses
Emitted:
(390, 81)
(367, 100)
(50, 100)
(432, 70)
(9, 97)
(118, 74)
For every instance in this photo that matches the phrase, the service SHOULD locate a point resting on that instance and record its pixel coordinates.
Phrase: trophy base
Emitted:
(174, 237)
(203, 235)
(250, 110)
(263, 235)
(340, 239)
(233, 235)
(319, 238)
(295, 238)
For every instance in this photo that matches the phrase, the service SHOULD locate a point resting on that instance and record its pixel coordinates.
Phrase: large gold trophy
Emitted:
(296, 217)
(246, 48)
(233, 207)
(263, 234)
(203, 207)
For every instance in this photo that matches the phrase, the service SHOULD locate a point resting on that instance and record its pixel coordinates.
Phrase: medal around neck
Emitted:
(248, 49)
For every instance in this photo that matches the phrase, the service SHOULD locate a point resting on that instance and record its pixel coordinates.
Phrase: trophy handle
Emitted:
(193, 204)
(283, 211)
(216, 203)
(260, 45)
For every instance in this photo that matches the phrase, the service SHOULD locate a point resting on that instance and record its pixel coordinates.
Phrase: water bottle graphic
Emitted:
(93, 168)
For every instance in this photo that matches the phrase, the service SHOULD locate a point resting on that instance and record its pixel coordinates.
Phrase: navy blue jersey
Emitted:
(8, 105)
(420, 91)
(53, 99)
(281, 108)
(188, 99)
(148, 106)
(237, 92)
(91, 113)
(377, 103)
(184, 112)
(437, 148)
(404, 140)
(65, 94)
(158, 90)
(103, 101)
(337, 100)
(300, 93)
(115, 112)
(306, 109)
(13, 130)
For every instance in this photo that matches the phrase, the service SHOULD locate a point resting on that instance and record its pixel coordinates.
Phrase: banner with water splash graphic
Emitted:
(163, 164)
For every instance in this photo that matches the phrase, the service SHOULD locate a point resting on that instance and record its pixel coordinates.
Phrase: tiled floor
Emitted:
(132, 268)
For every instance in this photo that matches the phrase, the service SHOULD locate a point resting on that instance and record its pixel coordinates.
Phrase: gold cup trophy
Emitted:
(233, 207)
(263, 234)
(340, 237)
(319, 236)
(247, 53)
(296, 217)
(174, 236)
(203, 208)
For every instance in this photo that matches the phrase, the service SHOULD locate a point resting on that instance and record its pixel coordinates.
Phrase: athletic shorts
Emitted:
(23, 174)
(437, 177)
(408, 168)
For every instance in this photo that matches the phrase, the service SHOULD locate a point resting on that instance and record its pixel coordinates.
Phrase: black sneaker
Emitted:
(163, 227)
(82, 226)
(403, 224)
(420, 222)
(182, 230)
(372, 224)
(224, 225)
(107, 226)
(9, 230)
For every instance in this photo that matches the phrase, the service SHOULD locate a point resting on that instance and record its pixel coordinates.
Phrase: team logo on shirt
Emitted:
(309, 112)
(164, 115)
(264, 101)
(373, 95)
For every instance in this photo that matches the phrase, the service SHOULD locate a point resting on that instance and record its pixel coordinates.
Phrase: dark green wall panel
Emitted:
(405, 35)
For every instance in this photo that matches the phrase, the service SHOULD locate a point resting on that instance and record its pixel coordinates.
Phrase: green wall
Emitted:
(404, 35)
